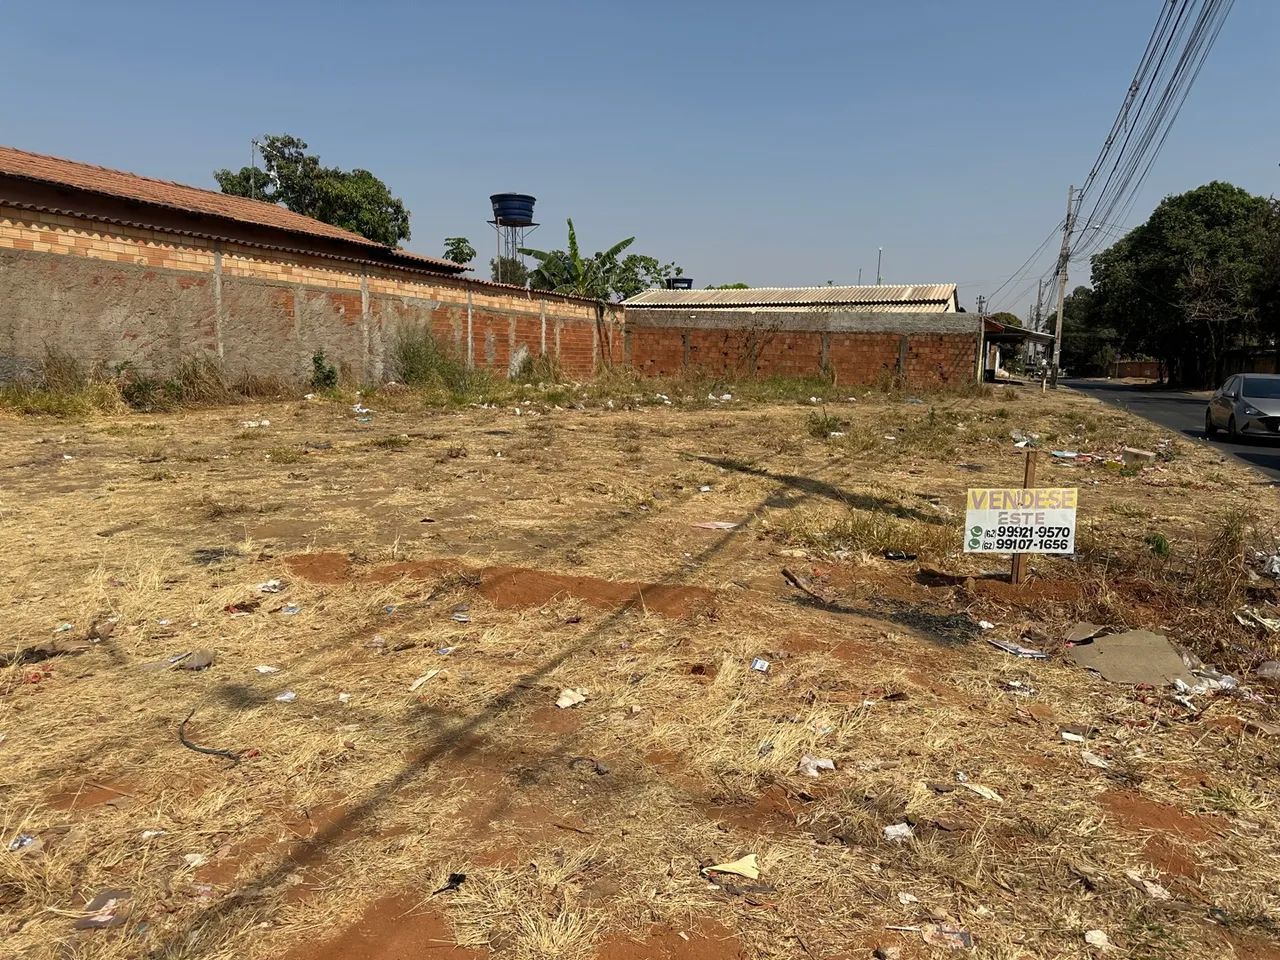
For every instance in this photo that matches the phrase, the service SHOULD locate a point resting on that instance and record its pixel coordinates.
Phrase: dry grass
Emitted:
(343, 800)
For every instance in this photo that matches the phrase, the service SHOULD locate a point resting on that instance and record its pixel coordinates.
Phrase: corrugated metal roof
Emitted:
(179, 196)
(886, 298)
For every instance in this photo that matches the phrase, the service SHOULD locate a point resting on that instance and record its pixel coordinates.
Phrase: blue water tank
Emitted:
(513, 209)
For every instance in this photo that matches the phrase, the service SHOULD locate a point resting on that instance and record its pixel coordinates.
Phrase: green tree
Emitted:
(509, 270)
(729, 286)
(459, 250)
(1184, 287)
(1008, 319)
(567, 271)
(595, 277)
(637, 273)
(355, 200)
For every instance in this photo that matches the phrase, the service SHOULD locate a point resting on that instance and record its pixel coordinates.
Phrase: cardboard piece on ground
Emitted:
(745, 867)
(1133, 657)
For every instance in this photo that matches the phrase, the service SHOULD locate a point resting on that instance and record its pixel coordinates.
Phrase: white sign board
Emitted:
(1014, 520)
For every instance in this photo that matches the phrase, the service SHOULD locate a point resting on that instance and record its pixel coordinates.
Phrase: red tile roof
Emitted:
(178, 196)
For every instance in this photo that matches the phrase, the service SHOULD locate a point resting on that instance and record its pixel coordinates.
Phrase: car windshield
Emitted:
(1262, 388)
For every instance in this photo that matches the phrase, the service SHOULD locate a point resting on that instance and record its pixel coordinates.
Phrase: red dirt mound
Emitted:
(708, 941)
(393, 928)
(514, 587)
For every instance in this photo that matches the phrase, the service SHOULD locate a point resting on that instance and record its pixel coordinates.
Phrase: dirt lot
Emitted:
(443, 576)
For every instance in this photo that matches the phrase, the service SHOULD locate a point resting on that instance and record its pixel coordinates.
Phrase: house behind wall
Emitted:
(117, 269)
(855, 335)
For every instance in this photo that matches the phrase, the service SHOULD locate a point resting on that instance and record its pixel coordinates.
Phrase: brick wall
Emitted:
(127, 294)
(923, 349)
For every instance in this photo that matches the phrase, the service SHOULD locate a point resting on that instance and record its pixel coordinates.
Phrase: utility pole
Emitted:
(859, 276)
(879, 258)
(253, 169)
(981, 303)
(1039, 304)
(1063, 256)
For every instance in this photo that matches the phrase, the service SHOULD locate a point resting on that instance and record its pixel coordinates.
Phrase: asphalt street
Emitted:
(1183, 413)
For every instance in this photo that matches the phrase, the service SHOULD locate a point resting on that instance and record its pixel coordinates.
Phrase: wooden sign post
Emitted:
(1018, 572)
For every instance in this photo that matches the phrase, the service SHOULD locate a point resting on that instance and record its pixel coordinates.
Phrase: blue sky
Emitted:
(775, 144)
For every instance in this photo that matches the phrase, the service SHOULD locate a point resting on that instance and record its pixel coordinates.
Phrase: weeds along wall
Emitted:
(114, 294)
(924, 349)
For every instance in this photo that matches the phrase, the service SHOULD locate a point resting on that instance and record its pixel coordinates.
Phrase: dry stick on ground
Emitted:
(234, 757)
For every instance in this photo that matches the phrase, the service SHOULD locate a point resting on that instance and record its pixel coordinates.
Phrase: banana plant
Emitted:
(592, 277)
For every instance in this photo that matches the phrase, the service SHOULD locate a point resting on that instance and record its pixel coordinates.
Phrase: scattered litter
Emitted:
(1083, 631)
(1075, 734)
(760, 665)
(1133, 657)
(445, 651)
(287, 697)
(899, 832)
(746, 866)
(812, 766)
(290, 609)
(460, 617)
(952, 937)
(344, 698)
(589, 765)
(704, 489)
(198, 660)
(453, 882)
(1020, 687)
(570, 698)
(986, 625)
(1268, 670)
(1027, 653)
(1253, 617)
(391, 607)
(422, 679)
(717, 525)
(151, 834)
(253, 424)
(108, 909)
(164, 623)
(20, 841)
(890, 436)
(360, 409)
(232, 755)
(263, 668)
(1064, 454)
(271, 586)
(1271, 565)
(1261, 728)
(1149, 887)
(985, 792)
(63, 628)
(1133, 456)
(907, 898)
(900, 555)
(765, 749)
(913, 400)
(195, 860)
(1098, 939)
(1094, 760)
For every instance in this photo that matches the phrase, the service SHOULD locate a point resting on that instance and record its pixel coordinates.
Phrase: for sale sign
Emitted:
(1016, 520)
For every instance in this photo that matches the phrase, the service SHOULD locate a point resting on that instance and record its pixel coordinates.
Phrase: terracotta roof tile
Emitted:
(178, 196)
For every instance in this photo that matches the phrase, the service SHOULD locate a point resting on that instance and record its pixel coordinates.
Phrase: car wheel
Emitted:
(1210, 431)
(1231, 427)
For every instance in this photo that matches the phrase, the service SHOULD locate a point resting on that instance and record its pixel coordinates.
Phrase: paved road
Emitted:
(1184, 413)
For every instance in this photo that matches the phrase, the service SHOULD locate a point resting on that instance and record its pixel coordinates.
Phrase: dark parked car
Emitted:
(1246, 403)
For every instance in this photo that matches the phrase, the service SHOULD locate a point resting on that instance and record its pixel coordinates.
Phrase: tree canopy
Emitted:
(729, 286)
(1007, 318)
(1191, 287)
(604, 276)
(355, 200)
(459, 250)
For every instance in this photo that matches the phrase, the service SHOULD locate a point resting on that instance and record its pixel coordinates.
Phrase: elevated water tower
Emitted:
(512, 221)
